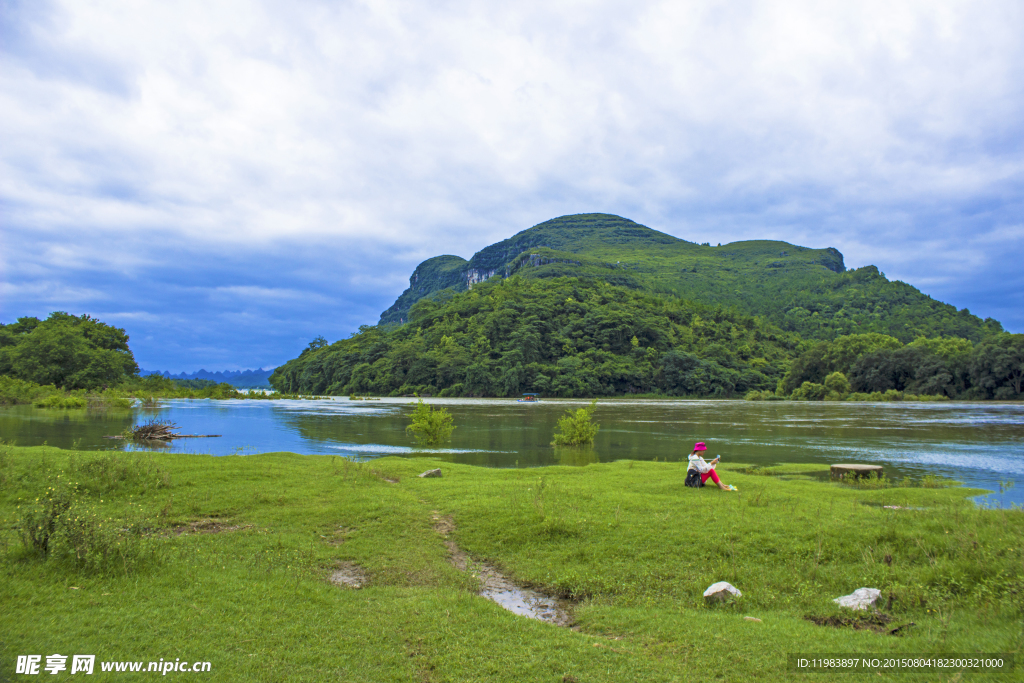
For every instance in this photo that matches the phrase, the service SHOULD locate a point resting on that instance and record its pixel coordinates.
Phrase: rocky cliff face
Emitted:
(431, 276)
(473, 276)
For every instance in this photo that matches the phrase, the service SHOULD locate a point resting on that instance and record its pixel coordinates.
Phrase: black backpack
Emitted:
(693, 479)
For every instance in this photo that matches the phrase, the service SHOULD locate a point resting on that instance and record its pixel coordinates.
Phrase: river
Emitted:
(980, 444)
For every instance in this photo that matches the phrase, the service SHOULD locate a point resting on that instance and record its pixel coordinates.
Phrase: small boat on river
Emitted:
(529, 398)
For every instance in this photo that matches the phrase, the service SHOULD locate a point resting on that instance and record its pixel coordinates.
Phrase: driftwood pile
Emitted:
(153, 431)
(156, 431)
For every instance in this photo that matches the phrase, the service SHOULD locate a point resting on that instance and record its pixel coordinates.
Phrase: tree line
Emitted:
(562, 336)
(572, 337)
(867, 364)
(559, 337)
(68, 361)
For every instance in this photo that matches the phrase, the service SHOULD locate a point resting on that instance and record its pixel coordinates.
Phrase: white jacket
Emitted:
(698, 463)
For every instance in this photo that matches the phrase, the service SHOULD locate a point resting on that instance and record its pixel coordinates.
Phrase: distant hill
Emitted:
(803, 290)
(242, 379)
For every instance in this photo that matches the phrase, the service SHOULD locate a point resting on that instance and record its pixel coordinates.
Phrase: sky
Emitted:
(228, 180)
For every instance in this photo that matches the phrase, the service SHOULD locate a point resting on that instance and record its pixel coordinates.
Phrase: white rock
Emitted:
(862, 598)
(431, 473)
(720, 592)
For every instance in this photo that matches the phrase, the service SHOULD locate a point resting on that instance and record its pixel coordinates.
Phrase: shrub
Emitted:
(870, 481)
(148, 402)
(430, 426)
(755, 395)
(61, 402)
(60, 525)
(810, 391)
(111, 398)
(576, 428)
(93, 543)
(878, 396)
(934, 481)
(37, 520)
(858, 396)
(838, 383)
(925, 397)
(14, 391)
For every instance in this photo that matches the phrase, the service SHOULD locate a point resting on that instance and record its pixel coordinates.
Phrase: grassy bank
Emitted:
(227, 560)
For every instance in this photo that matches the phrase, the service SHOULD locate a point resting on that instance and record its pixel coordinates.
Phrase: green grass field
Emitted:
(227, 559)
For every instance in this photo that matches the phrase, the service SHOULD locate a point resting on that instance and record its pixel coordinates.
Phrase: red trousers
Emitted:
(709, 473)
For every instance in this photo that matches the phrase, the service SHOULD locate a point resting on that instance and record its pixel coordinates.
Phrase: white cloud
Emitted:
(49, 292)
(265, 294)
(416, 129)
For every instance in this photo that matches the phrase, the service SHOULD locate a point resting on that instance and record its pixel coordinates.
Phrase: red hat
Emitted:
(699, 446)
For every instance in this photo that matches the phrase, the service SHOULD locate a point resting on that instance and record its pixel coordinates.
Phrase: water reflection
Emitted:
(576, 457)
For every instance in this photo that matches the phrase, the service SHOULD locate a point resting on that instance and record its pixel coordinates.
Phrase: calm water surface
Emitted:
(979, 444)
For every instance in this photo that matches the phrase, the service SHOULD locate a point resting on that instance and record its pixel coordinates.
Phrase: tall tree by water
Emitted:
(71, 352)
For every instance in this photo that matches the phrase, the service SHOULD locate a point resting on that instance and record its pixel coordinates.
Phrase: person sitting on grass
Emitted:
(698, 467)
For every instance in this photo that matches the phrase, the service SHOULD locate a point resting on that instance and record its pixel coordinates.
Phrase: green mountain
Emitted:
(597, 305)
(803, 290)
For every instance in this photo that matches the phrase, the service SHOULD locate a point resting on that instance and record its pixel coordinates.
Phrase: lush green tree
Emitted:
(955, 354)
(885, 369)
(931, 376)
(810, 366)
(912, 369)
(686, 374)
(837, 383)
(838, 355)
(810, 391)
(997, 366)
(844, 351)
(71, 352)
(925, 367)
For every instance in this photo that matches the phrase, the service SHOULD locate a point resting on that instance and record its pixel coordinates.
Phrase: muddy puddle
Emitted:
(498, 588)
(524, 601)
(348, 575)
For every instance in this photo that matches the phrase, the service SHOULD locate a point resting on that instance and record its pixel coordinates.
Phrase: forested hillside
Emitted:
(808, 291)
(574, 337)
(557, 336)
